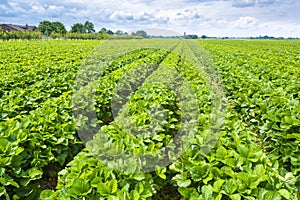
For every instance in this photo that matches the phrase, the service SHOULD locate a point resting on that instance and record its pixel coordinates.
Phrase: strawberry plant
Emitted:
(160, 119)
(236, 167)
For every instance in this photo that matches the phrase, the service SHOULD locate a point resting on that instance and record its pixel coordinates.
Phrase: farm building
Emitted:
(11, 27)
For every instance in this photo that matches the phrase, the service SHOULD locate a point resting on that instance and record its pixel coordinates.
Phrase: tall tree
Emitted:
(103, 30)
(119, 32)
(89, 27)
(141, 33)
(110, 32)
(45, 27)
(58, 27)
(77, 28)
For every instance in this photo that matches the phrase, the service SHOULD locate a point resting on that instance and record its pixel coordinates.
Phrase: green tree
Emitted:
(89, 27)
(45, 27)
(77, 28)
(141, 33)
(103, 30)
(119, 32)
(110, 32)
(58, 27)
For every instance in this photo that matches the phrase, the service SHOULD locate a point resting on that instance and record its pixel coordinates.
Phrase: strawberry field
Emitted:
(150, 119)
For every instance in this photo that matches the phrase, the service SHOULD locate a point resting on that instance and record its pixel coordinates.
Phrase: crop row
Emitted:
(34, 144)
(38, 134)
(139, 131)
(20, 101)
(146, 122)
(155, 126)
(262, 86)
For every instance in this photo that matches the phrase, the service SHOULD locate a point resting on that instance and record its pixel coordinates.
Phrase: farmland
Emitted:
(150, 119)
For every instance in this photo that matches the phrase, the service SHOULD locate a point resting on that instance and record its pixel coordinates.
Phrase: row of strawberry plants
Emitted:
(105, 182)
(34, 147)
(25, 63)
(20, 101)
(85, 109)
(236, 168)
(226, 173)
(108, 83)
(41, 142)
(262, 85)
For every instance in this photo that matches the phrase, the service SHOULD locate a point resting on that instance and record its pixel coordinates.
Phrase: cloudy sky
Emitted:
(202, 17)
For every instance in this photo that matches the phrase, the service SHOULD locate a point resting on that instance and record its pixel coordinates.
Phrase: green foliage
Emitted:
(86, 176)
(45, 27)
(141, 33)
(85, 36)
(262, 84)
(236, 168)
(256, 154)
(89, 27)
(37, 130)
(48, 28)
(78, 28)
(58, 27)
(19, 35)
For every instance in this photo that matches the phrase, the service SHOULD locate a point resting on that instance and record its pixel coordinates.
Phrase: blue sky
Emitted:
(202, 17)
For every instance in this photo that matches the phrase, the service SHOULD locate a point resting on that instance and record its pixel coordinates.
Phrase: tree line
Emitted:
(20, 35)
(57, 30)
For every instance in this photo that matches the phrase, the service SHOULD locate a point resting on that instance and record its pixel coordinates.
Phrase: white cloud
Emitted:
(121, 15)
(38, 9)
(55, 8)
(246, 22)
(243, 3)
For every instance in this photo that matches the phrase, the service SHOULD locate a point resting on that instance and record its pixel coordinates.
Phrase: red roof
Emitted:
(11, 27)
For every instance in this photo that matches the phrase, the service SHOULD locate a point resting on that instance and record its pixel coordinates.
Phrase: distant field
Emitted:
(248, 149)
